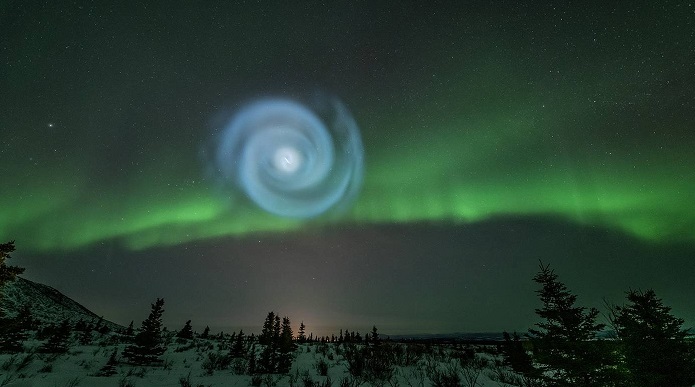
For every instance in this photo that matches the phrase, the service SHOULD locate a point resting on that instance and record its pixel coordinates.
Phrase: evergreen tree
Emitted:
(148, 344)
(109, 369)
(7, 273)
(238, 349)
(266, 336)
(104, 329)
(302, 333)
(276, 330)
(515, 355)
(58, 342)
(206, 333)
(655, 345)
(98, 326)
(253, 365)
(268, 360)
(12, 335)
(375, 336)
(565, 342)
(269, 340)
(85, 337)
(286, 347)
(81, 326)
(130, 331)
(26, 319)
(186, 332)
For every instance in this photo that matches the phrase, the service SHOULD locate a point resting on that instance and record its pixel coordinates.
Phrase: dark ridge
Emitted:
(47, 304)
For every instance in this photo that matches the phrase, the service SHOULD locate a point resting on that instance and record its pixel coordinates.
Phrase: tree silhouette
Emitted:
(266, 336)
(515, 355)
(302, 333)
(7, 273)
(85, 337)
(374, 339)
(654, 343)
(186, 332)
(109, 368)
(565, 344)
(12, 332)
(12, 335)
(59, 340)
(286, 347)
(148, 344)
(130, 331)
(238, 348)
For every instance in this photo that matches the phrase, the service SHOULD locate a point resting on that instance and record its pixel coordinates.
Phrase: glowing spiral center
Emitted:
(287, 159)
(291, 160)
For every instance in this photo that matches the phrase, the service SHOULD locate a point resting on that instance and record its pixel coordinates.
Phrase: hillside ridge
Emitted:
(47, 303)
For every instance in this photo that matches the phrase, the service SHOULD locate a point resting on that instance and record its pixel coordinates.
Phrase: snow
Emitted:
(80, 364)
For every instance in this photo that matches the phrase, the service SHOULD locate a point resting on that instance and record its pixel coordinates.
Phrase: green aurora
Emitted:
(492, 124)
(468, 172)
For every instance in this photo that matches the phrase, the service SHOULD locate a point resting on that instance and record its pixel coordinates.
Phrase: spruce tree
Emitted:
(238, 348)
(12, 335)
(206, 333)
(7, 273)
(59, 340)
(85, 337)
(26, 319)
(565, 344)
(375, 336)
(656, 347)
(266, 336)
(515, 355)
(268, 359)
(252, 361)
(269, 340)
(286, 347)
(130, 331)
(276, 330)
(148, 344)
(302, 333)
(109, 369)
(186, 332)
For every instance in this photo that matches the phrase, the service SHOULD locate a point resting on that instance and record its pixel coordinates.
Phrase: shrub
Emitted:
(256, 380)
(449, 377)
(215, 361)
(321, 367)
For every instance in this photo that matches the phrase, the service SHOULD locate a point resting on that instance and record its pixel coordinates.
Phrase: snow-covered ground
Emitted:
(183, 365)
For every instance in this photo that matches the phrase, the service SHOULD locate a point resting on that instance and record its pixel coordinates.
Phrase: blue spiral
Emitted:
(291, 160)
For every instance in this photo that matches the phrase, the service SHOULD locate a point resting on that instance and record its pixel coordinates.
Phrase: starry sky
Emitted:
(494, 135)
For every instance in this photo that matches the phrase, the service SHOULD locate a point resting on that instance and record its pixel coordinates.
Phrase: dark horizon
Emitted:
(483, 276)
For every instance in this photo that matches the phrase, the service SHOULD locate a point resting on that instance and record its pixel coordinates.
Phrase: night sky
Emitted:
(493, 135)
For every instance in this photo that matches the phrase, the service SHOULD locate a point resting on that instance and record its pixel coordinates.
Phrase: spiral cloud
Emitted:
(293, 160)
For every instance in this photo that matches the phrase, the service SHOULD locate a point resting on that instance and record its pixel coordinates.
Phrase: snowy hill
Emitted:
(47, 304)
